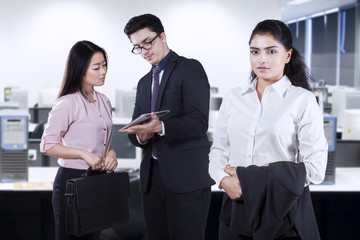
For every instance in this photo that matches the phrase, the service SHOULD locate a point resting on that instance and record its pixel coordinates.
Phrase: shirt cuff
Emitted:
(220, 177)
(163, 130)
(140, 141)
(160, 134)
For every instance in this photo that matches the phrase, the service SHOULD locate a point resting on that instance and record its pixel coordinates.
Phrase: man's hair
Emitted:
(144, 21)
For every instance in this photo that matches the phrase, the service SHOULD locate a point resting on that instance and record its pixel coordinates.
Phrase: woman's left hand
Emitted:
(110, 161)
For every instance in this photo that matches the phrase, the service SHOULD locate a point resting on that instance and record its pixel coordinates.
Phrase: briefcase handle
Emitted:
(89, 172)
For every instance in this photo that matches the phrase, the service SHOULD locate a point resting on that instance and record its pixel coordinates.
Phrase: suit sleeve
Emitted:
(137, 112)
(193, 123)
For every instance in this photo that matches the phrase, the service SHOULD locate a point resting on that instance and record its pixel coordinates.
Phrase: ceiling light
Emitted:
(297, 2)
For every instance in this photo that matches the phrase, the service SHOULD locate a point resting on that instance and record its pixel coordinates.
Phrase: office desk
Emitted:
(27, 213)
(337, 206)
(26, 209)
(346, 180)
(40, 179)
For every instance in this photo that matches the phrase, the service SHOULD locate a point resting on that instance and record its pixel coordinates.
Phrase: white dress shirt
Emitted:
(287, 125)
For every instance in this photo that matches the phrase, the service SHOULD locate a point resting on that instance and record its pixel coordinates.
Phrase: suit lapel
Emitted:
(148, 91)
(167, 71)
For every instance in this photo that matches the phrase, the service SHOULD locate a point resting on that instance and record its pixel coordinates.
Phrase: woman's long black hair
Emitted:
(296, 70)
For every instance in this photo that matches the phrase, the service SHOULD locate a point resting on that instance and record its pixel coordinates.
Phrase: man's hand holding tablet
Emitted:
(143, 118)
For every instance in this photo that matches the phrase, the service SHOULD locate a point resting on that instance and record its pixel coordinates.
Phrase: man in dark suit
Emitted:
(174, 179)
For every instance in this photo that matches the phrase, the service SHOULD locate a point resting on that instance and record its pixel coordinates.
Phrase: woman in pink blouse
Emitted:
(79, 126)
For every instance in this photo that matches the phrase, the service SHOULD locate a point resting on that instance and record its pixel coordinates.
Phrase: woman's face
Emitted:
(96, 72)
(268, 57)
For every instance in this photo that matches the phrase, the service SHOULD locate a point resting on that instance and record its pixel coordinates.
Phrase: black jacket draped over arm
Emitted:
(274, 202)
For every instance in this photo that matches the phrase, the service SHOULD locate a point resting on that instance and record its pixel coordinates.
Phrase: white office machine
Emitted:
(344, 98)
(124, 103)
(214, 106)
(330, 134)
(351, 124)
(215, 103)
(13, 147)
(47, 97)
(16, 96)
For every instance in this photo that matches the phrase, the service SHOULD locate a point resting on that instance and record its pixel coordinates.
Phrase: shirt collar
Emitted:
(163, 62)
(280, 86)
(250, 88)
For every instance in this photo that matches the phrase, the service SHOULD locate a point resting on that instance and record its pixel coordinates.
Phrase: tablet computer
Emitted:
(144, 117)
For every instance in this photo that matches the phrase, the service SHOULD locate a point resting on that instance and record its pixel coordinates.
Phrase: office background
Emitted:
(37, 35)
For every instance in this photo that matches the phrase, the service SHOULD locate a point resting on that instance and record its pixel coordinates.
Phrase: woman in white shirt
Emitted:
(275, 118)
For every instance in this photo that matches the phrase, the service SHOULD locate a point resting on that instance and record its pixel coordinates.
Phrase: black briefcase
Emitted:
(97, 201)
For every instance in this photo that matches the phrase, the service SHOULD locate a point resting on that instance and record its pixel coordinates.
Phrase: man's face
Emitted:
(158, 49)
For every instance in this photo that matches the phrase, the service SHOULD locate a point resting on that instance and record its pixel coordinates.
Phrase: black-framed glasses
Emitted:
(146, 46)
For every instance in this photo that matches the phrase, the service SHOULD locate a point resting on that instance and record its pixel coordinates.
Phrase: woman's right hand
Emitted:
(93, 160)
(231, 184)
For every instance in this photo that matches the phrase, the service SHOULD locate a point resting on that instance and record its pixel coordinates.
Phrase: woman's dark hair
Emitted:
(144, 21)
(296, 70)
(76, 66)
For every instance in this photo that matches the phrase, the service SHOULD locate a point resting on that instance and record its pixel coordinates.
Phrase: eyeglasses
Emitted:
(146, 46)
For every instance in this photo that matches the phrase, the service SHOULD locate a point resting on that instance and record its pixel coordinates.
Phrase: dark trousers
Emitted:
(172, 216)
(59, 205)
(226, 234)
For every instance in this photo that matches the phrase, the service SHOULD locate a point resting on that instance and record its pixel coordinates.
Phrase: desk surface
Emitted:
(41, 178)
(346, 180)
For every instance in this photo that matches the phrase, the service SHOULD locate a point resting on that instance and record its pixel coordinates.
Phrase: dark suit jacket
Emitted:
(274, 203)
(183, 151)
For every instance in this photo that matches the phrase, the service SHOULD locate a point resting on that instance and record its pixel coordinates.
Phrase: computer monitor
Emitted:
(128, 156)
(38, 114)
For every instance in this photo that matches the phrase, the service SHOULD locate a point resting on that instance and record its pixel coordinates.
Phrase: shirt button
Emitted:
(104, 129)
(104, 144)
(100, 116)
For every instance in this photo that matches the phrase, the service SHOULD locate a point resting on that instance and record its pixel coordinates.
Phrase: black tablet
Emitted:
(144, 117)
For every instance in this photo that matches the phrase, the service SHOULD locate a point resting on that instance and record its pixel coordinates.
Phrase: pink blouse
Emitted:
(75, 122)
